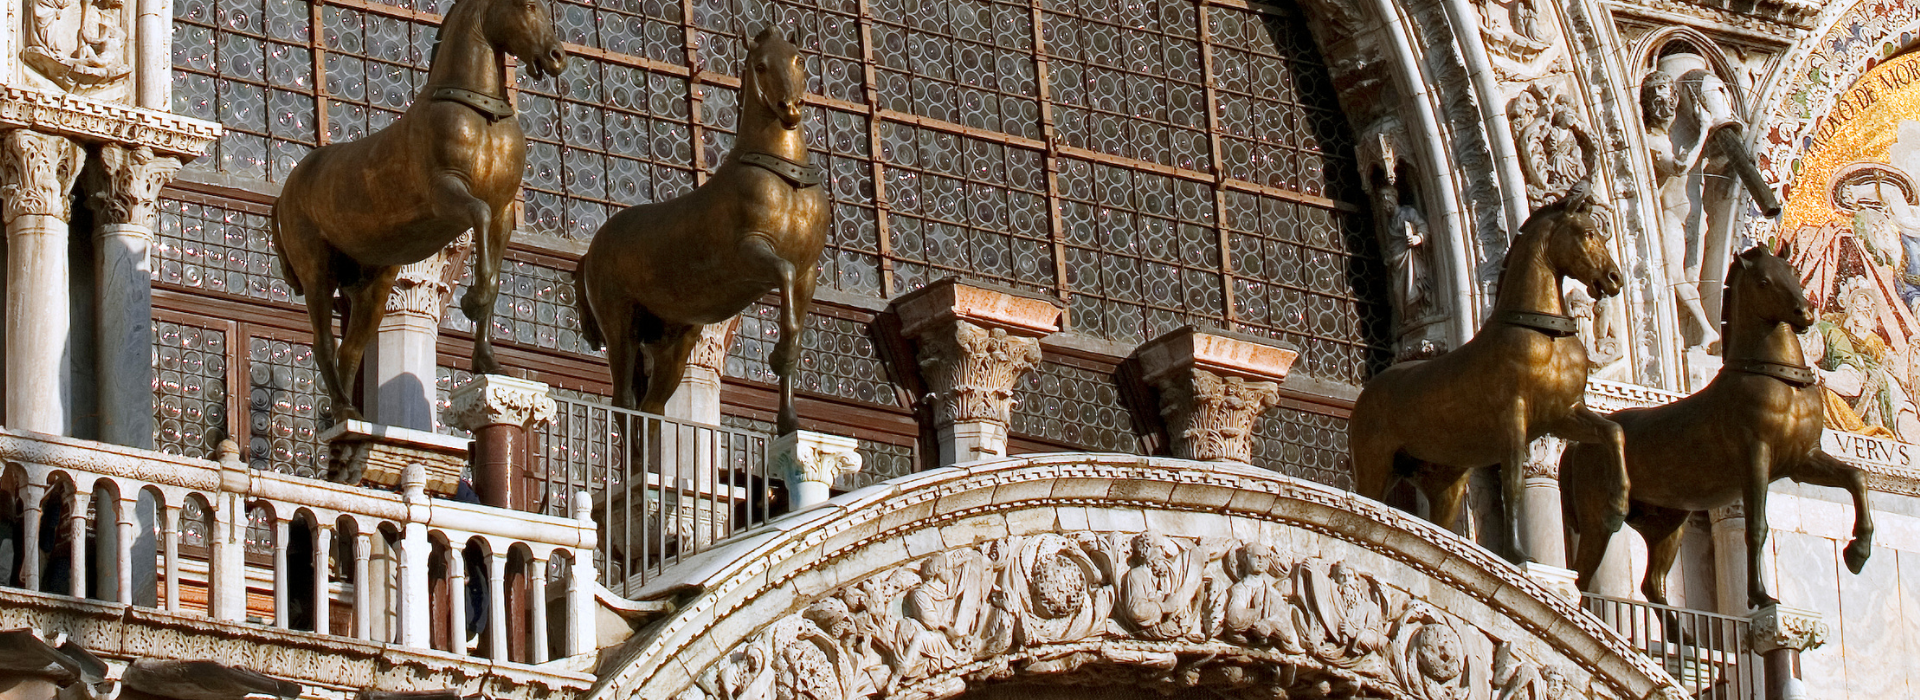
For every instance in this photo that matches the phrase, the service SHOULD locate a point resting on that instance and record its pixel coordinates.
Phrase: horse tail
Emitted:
(589, 325)
(280, 242)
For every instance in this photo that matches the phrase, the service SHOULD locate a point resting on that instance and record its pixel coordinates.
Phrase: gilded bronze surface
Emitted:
(1759, 421)
(658, 272)
(1522, 376)
(353, 213)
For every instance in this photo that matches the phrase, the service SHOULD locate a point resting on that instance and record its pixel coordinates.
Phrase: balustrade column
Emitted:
(77, 544)
(1544, 531)
(537, 583)
(281, 578)
(501, 412)
(457, 584)
(37, 173)
(497, 607)
(123, 553)
(322, 564)
(416, 618)
(362, 588)
(228, 576)
(581, 636)
(974, 344)
(170, 546)
(125, 190)
(30, 536)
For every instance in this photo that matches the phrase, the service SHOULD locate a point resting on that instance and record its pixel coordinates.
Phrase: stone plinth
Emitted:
(809, 462)
(974, 343)
(378, 455)
(1212, 386)
(500, 411)
(401, 363)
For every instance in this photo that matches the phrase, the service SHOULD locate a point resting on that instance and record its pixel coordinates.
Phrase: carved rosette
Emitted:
(1211, 417)
(127, 187)
(1780, 627)
(36, 173)
(971, 371)
(710, 351)
(422, 288)
(492, 399)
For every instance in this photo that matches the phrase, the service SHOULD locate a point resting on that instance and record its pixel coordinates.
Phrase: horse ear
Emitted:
(1786, 250)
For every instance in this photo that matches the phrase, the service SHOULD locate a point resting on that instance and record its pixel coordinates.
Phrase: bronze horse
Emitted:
(352, 213)
(656, 273)
(1522, 376)
(1759, 421)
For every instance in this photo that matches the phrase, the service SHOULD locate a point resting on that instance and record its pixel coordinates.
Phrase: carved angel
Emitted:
(1257, 611)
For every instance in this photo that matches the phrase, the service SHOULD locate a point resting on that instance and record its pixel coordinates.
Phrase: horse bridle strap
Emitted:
(1553, 325)
(802, 176)
(1796, 375)
(494, 108)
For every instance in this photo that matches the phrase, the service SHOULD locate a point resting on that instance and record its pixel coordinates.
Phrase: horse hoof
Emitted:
(1857, 553)
(1761, 601)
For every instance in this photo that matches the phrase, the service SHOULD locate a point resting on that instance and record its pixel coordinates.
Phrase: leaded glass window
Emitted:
(286, 401)
(247, 64)
(189, 388)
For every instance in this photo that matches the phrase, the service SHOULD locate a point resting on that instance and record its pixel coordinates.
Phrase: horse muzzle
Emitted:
(1607, 285)
(1802, 319)
(548, 65)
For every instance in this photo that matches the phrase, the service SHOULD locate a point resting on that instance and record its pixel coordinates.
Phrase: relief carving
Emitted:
(36, 173)
(1556, 150)
(78, 43)
(129, 182)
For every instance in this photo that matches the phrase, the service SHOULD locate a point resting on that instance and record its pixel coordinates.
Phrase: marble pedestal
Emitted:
(378, 455)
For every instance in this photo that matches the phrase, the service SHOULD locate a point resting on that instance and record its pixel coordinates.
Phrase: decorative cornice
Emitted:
(127, 186)
(1780, 20)
(37, 172)
(492, 399)
(93, 120)
(1780, 627)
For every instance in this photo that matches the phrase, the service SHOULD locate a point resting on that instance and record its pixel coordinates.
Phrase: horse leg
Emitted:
(1592, 520)
(1822, 469)
(1446, 495)
(366, 305)
(1662, 528)
(623, 352)
(1513, 485)
(320, 287)
(1372, 463)
(452, 200)
(796, 294)
(1760, 474)
(1585, 426)
(669, 365)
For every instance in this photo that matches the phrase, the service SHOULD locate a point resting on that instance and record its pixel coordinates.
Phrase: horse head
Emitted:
(1577, 243)
(1763, 286)
(525, 29)
(778, 75)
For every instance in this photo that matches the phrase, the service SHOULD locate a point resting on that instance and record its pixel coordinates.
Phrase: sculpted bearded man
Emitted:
(1676, 162)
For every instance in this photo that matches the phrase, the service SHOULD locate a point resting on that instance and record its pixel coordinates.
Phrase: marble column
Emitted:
(698, 398)
(974, 345)
(502, 412)
(416, 620)
(582, 632)
(124, 192)
(1545, 530)
(1730, 559)
(1212, 387)
(809, 462)
(1778, 634)
(153, 64)
(37, 172)
(537, 578)
(401, 363)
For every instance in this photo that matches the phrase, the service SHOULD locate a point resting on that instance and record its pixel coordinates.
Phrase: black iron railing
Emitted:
(1707, 652)
(661, 489)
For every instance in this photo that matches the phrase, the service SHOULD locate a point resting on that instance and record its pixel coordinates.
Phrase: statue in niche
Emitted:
(1555, 150)
(78, 43)
(1404, 236)
(1692, 124)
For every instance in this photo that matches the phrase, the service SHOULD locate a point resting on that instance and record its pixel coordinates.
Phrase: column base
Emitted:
(809, 462)
(367, 453)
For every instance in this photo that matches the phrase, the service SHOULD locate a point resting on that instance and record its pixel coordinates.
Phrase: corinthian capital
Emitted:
(492, 399)
(975, 343)
(711, 350)
(1780, 627)
(1212, 387)
(421, 288)
(36, 173)
(127, 186)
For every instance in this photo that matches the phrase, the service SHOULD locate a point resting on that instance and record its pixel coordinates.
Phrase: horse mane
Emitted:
(1529, 228)
(440, 34)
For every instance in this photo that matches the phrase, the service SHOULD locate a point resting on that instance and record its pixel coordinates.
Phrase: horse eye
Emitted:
(1764, 282)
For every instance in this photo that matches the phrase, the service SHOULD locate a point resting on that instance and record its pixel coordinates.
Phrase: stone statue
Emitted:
(1522, 376)
(657, 273)
(1757, 422)
(1684, 105)
(1407, 252)
(352, 214)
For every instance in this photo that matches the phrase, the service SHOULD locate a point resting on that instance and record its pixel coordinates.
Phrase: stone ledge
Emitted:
(93, 120)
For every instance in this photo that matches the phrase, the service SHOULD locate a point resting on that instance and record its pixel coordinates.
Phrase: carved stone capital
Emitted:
(975, 343)
(1212, 387)
(1543, 459)
(422, 288)
(36, 173)
(127, 186)
(492, 399)
(710, 351)
(1732, 511)
(1780, 627)
(810, 462)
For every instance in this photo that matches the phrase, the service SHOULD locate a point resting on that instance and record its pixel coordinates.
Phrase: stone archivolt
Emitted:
(1099, 570)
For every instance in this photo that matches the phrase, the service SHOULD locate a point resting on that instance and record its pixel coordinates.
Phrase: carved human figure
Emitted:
(1157, 592)
(103, 42)
(1406, 251)
(747, 675)
(1556, 152)
(1569, 150)
(48, 21)
(1526, 19)
(1674, 158)
(1349, 616)
(1257, 611)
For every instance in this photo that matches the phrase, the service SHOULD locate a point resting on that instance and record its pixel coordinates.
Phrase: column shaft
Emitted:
(170, 544)
(497, 608)
(282, 578)
(362, 588)
(457, 591)
(30, 538)
(37, 173)
(537, 578)
(123, 556)
(322, 563)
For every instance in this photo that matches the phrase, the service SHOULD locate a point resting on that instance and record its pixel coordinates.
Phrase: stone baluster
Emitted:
(322, 564)
(35, 492)
(77, 543)
(497, 606)
(698, 398)
(362, 588)
(1212, 388)
(537, 582)
(228, 601)
(974, 344)
(581, 635)
(1778, 634)
(501, 412)
(416, 619)
(123, 551)
(457, 590)
(400, 366)
(170, 547)
(125, 192)
(282, 579)
(37, 173)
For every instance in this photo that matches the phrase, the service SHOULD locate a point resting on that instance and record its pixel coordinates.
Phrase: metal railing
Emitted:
(662, 489)
(1706, 652)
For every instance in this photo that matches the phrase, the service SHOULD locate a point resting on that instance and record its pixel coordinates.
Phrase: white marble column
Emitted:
(34, 494)
(416, 617)
(123, 554)
(125, 190)
(1730, 559)
(170, 544)
(37, 173)
(1213, 386)
(975, 343)
(582, 636)
(362, 544)
(322, 561)
(497, 607)
(1545, 530)
(698, 398)
(457, 591)
(537, 620)
(153, 65)
(402, 360)
(282, 574)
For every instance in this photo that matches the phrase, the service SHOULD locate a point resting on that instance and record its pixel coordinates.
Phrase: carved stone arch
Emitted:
(1097, 569)
(1648, 51)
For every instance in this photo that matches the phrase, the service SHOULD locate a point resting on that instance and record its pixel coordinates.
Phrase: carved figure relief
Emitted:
(78, 43)
(1556, 150)
(1124, 608)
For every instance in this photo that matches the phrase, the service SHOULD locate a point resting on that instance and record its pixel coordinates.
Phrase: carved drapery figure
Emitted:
(1406, 243)
(1556, 152)
(78, 43)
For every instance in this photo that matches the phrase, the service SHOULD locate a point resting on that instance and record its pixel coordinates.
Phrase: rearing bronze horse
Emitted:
(353, 213)
(1522, 376)
(656, 273)
(1759, 421)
